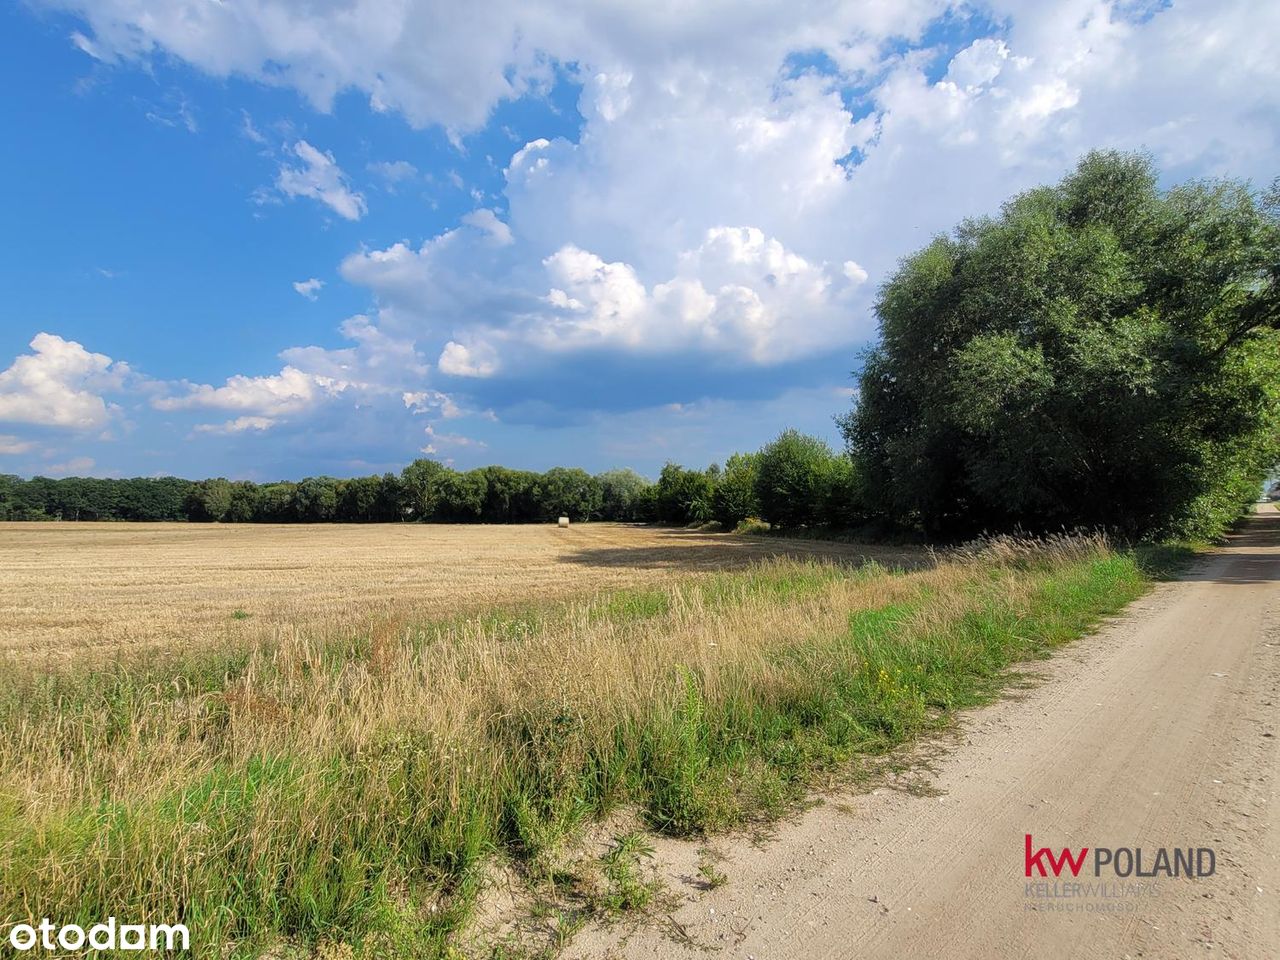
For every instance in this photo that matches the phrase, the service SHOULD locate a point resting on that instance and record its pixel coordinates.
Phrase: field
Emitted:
(105, 589)
(402, 714)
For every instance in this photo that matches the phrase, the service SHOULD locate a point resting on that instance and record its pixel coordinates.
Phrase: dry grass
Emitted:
(102, 589)
(350, 786)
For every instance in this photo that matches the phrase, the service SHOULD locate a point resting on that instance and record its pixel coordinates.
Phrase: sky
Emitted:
(266, 239)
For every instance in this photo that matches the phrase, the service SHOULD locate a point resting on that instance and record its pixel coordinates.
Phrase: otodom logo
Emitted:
(1192, 862)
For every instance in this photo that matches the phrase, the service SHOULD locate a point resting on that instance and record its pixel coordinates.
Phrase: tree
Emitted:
(244, 502)
(620, 492)
(512, 496)
(358, 499)
(315, 500)
(390, 503)
(570, 492)
(209, 500)
(793, 479)
(735, 497)
(683, 496)
(418, 484)
(459, 496)
(1102, 353)
(276, 503)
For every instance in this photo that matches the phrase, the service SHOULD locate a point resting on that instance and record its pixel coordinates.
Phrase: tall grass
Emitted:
(351, 788)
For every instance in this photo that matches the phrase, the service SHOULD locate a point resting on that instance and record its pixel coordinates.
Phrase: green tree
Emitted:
(735, 497)
(276, 503)
(209, 500)
(794, 479)
(1103, 353)
(419, 487)
(512, 496)
(358, 499)
(244, 502)
(390, 505)
(570, 492)
(683, 496)
(315, 500)
(460, 496)
(620, 492)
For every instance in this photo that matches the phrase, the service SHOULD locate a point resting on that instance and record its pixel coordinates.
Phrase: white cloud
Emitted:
(437, 440)
(431, 401)
(12, 446)
(377, 363)
(458, 360)
(719, 198)
(854, 272)
(488, 222)
(238, 425)
(309, 288)
(978, 64)
(394, 172)
(319, 388)
(452, 64)
(290, 391)
(320, 178)
(60, 384)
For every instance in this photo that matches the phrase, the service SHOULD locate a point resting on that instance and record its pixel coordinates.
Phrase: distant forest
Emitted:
(795, 480)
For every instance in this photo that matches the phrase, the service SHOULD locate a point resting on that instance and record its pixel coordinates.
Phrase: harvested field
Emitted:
(76, 590)
(352, 795)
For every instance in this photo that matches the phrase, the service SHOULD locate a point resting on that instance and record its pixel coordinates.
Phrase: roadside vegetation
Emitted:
(356, 789)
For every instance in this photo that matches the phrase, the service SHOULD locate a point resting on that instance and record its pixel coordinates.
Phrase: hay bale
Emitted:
(564, 521)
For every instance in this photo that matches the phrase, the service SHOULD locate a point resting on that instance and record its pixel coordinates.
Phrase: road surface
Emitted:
(1159, 731)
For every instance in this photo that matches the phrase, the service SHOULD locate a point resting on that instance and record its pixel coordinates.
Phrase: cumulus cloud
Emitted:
(437, 441)
(238, 425)
(289, 391)
(315, 385)
(459, 360)
(738, 293)
(309, 288)
(431, 401)
(320, 178)
(488, 222)
(735, 193)
(60, 384)
(451, 65)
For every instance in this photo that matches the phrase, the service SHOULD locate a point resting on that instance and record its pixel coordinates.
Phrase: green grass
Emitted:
(197, 795)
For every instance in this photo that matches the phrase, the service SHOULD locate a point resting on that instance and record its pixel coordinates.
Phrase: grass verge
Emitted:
(349, 790)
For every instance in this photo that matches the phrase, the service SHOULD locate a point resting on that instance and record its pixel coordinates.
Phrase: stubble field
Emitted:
(105, 589)
(335, 741)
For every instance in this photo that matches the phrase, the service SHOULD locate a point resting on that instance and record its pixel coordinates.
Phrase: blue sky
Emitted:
(269, 240)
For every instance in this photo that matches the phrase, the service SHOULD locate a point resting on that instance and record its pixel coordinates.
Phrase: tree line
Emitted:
(795, 480)
(1102, 354)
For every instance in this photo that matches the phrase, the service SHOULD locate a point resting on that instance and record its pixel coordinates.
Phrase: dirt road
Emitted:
(1160, 731)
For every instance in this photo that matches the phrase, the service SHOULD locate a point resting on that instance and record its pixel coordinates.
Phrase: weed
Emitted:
(627, 890)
